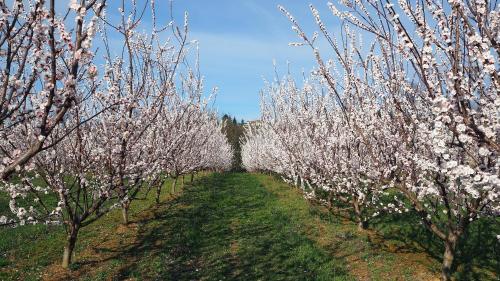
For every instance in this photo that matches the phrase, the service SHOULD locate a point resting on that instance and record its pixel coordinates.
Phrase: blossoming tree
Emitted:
(419, 112)
(104, 148)
(42, 65)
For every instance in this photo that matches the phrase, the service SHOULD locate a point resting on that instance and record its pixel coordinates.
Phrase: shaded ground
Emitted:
(240, 226)
(228, 227)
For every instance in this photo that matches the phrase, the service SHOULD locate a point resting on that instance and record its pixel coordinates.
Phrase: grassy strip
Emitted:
(397, 246)
(34, 252)
(240, 226)
(228, 227)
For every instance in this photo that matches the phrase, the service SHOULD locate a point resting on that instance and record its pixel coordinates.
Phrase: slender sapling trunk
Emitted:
(173, 184)
(158, 192)
(362, 225)
(125, 207)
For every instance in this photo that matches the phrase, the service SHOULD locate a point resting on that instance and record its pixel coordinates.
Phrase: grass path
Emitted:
(235, 226)
(228, 227)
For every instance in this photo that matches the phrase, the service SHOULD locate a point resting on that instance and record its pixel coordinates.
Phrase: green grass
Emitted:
(240, 226)
(478, 253)
(26, 251)
(229, 227)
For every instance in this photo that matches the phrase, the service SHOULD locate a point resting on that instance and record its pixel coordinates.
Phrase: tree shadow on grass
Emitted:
(478, 254)
(224, 227)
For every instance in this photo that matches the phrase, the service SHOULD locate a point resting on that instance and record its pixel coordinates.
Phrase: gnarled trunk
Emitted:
(450, 245)
(70, 246)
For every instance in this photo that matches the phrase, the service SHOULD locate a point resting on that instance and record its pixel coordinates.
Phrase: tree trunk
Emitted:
(330, 196)
(448, 257)
(158, 192)
(182, 181)
(192, 176)
(359, 217)
(70, 246)
(125, 207)
(173, 185)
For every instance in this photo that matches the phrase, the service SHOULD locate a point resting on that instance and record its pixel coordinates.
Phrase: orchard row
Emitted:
(408, 121)
(92, 111)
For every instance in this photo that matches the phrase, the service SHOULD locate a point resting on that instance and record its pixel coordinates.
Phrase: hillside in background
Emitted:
(234, 131)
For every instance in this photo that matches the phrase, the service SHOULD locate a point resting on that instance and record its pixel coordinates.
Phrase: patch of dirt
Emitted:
(56, 272)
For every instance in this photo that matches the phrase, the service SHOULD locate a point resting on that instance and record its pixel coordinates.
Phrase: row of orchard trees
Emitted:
(416, 111)
(78, 140)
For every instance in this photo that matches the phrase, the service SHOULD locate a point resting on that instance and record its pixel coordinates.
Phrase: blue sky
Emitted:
(239, 40)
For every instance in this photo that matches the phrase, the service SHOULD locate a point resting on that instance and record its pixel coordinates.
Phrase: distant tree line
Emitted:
(234, 131)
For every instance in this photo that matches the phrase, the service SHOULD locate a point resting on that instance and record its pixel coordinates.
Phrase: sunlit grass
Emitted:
(240, 226)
